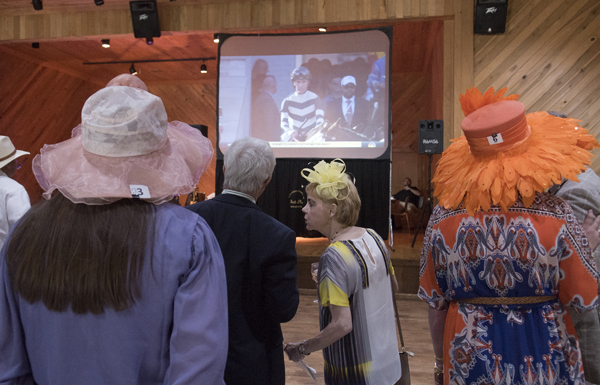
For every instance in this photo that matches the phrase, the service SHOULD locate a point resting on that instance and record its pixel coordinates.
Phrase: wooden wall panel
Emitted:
(460, 51)
(435, 73)
(417, 93)
(193, 104)
(410, 103)
(414, 43)
(42, 107)
(14, 81)
(550, 54)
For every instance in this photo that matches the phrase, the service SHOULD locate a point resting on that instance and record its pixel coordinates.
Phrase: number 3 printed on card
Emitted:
(139, 191)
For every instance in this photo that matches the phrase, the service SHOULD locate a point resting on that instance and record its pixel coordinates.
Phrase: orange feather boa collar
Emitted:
(557, 148)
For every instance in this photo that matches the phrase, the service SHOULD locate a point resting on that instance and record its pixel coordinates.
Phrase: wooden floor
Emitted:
(413, 317)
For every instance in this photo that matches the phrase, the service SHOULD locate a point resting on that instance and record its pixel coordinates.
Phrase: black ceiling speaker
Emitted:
(144, 16)
(490, 16)
(431, 136)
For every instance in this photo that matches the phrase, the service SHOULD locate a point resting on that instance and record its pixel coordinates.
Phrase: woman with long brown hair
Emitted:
(105, 282)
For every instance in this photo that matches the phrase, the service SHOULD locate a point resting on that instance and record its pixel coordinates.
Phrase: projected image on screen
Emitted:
(308, 95)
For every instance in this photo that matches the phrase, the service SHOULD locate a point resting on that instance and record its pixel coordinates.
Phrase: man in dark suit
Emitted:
(353, 111)
(260, 263)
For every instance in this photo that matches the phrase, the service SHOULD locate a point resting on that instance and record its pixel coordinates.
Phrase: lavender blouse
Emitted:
(175, 334)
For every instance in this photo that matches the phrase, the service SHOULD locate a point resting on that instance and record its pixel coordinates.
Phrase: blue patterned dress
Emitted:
(539, 252)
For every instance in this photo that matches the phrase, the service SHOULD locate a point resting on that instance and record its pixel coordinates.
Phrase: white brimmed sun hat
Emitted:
(8, 152)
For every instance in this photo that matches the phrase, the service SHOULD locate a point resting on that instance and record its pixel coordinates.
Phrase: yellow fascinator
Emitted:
(329, 177)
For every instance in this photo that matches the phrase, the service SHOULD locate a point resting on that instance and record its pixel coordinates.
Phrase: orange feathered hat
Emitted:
(505, 153)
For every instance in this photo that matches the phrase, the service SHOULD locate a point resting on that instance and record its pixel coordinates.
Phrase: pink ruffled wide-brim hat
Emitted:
(124, 145)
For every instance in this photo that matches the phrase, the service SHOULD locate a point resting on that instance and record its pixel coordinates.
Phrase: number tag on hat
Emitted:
(139, 191)
(495, 139)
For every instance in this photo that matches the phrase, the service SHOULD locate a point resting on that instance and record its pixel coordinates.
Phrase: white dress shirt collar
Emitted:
(240, 194)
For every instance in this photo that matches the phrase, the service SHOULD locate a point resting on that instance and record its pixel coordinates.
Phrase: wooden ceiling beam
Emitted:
(77, 19)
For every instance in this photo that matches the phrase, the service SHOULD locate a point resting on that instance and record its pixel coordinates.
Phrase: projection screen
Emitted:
(309, 95)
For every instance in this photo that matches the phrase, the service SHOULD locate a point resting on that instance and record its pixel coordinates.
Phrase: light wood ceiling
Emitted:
(11, 7)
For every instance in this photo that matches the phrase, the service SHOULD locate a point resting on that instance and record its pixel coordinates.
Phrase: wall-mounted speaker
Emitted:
(490, 16)
(431, 136)
(144, 16)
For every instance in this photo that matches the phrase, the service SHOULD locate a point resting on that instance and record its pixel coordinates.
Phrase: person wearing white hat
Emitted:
(353, 111)
(14, 201)
(105, 281)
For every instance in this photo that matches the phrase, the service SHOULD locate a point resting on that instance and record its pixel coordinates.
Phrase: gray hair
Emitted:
(248, 163)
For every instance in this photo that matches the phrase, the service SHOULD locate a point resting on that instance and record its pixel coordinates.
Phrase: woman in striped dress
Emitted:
(356, 279)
